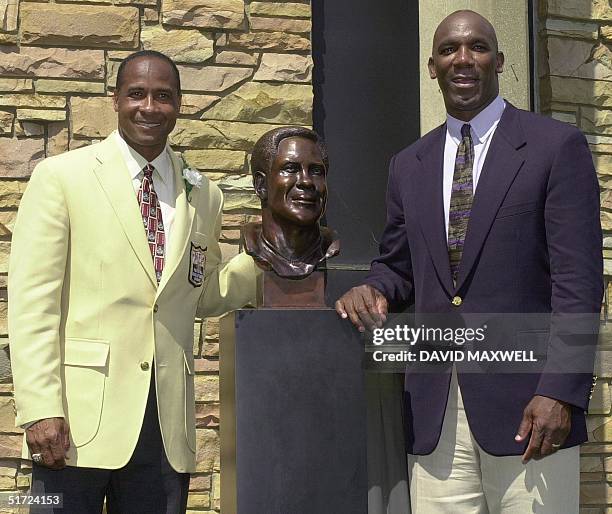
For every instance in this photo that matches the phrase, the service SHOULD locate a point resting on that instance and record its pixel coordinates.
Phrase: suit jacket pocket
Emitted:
(85, 369)
(518, 208)
(189, 398)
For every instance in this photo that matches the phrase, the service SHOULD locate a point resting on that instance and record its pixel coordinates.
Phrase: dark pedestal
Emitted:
(293, 414)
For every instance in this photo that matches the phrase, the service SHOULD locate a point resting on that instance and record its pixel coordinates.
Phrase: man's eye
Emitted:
(164, 96)
(447, 51)
(136, 94)
(291, 168)
(318, 170)
(480, 48)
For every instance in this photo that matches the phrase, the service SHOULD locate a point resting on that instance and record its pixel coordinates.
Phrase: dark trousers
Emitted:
(147, 483)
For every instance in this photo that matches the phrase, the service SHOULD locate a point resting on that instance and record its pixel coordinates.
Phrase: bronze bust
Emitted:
(289, 167)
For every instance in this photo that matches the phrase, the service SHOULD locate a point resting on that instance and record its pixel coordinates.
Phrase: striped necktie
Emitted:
(152, 220)
(462, 196)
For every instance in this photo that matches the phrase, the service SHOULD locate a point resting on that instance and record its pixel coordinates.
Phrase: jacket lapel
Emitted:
(430, 209)
(113, 176)
(184, 216)
(503, 161)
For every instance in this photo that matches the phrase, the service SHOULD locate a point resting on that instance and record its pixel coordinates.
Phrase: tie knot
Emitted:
(148, 171)
(465, 130)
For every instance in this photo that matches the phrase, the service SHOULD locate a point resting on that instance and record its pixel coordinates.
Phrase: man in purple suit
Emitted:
(496, 211)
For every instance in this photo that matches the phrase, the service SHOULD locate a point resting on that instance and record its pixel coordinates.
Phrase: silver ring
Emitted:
(37, 457)
(555, 446)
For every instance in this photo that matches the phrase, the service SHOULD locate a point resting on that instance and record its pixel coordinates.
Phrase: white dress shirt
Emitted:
(483, 127)
(163, 181)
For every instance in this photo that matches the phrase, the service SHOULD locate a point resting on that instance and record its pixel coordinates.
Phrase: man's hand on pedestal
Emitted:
(549, 422)
(364, 306)
(50, 438)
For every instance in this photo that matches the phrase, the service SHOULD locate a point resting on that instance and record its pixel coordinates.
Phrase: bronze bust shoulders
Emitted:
(268, 257)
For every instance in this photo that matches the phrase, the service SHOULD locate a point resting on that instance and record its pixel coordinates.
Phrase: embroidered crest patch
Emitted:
(197, 262)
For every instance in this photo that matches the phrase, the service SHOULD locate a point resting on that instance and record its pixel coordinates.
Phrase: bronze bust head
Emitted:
(289, 167)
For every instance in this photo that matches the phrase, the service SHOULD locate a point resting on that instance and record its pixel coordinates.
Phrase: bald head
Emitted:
(464, 18)
(466, 62)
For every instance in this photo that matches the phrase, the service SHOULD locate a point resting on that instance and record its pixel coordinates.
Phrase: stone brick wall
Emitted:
(576, 87)
(245, 67)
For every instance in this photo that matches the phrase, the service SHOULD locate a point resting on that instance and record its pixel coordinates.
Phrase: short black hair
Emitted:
(266, 148)
(148, 53)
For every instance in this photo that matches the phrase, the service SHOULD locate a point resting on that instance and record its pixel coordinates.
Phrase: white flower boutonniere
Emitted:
(192, 179)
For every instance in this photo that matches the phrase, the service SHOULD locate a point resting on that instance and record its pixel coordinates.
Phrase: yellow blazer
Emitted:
(87, 318)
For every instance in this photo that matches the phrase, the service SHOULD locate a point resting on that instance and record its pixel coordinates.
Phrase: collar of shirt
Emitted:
(136, 162)
(482, 124)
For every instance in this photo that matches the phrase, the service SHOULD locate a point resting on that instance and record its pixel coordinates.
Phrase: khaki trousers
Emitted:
(458, 477)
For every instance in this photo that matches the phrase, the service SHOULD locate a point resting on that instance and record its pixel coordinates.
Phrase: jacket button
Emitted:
(457, 301)
(144, 366)
(155, 308)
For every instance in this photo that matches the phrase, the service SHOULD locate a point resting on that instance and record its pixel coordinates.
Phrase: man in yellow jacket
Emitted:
(115, 250)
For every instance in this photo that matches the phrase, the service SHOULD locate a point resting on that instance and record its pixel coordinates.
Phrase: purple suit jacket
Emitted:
(533, 245)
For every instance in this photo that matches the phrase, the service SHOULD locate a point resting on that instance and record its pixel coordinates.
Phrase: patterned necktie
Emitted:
(152, 220)
(462, 196)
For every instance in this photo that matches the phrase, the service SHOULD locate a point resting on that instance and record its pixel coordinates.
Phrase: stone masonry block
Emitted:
(9, 11)
(52, 62)
(584, 9)
(212, 78)
(285, 68)
(225, 160)
(218, 134)
(184, 46)
(223, 14)
(280, 24)
(575, 58)
(288, 9)
(266, 103)
(272, 41)
(92, 117)
(80, 25)
(68, 86)
(57, 141)
(589, 92)
(20, 156)
(40, 115)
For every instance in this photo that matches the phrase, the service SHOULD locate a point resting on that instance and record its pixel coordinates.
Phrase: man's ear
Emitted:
(260, 185)
(431, 68)
(499, 67)
(115, 100)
